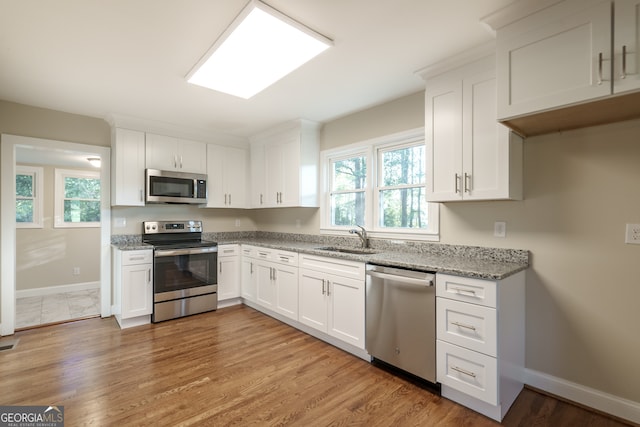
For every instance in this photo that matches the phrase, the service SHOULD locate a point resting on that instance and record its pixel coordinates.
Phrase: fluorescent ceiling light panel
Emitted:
(260, 47)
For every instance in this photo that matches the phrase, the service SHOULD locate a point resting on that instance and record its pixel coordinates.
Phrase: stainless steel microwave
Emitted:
(175, 187)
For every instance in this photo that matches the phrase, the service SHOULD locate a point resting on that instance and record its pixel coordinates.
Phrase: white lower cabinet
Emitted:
(228, 275)
(321, 296)
(248, 275)
(330, 302)
(133, 287)
(275, 274)
(480, 341)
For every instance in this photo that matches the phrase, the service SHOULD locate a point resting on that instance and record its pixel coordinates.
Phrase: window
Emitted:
(28, 196)
(77, 198)
(348, 180)
(379, 184)
(401, 185)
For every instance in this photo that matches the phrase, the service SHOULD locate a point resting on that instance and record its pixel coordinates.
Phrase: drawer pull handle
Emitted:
(464, 291)
(462, 325)
(284, 258)
(599, 68)
(136, 258)
(463, 371)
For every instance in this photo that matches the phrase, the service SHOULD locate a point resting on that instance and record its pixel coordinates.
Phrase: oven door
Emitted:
(183, 273)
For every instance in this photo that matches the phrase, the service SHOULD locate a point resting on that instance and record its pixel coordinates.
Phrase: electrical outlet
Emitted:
(297, 223)
(76, 271)
(632, 235)
(238, 222)
(500, 229)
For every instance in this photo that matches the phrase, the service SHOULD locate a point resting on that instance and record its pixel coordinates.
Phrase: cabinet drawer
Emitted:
(467, 371)
(263, 253)
(467, 325)
(137, 257)
(285, 257)
(339, 267)
(466, 289)
(248, 251)
(227, 250)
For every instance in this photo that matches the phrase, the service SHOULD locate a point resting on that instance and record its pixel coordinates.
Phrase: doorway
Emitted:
(12, 148)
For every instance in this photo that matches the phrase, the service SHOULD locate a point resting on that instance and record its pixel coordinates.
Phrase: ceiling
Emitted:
(129, 58)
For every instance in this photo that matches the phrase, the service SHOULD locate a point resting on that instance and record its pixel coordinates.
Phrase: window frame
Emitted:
(372, 150)
(60, 175)
(37, 173)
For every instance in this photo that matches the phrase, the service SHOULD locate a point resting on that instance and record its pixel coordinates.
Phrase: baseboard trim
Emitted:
(596, 399)
(49, 290)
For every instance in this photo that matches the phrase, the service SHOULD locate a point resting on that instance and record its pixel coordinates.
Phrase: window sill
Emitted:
(385, 235)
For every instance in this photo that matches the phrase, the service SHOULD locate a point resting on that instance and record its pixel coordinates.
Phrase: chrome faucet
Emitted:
(362, 234)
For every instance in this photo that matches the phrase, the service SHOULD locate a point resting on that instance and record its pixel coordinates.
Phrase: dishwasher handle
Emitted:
(425, 282)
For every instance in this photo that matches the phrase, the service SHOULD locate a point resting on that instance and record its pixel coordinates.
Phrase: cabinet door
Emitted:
(554, 61)
(286, 279)
(192, 156)
(249, 279)
(346, 310)
(273, 174)
(626, 36)
(235, 177)
(257, 175)
(265, 285)
(137, 290)
(443, 137)
(161, 152)
(313, 301)
(216, 197)
(128, 147)
(228, 278)
(487, 152)
(290, 187)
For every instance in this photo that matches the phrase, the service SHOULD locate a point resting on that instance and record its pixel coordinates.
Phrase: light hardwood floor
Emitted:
(235, 366)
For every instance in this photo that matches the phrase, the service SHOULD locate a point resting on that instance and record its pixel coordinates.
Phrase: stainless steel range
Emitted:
(184, 269)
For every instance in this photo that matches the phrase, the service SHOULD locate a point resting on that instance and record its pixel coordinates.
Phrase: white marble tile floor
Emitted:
(33, 311)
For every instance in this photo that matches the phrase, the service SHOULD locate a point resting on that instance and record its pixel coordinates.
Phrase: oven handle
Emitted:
(185, 251)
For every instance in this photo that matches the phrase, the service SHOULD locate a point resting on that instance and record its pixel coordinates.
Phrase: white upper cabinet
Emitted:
(575, 56)
(626, 38)
(555, 60)
(127, 175)
(470, 156)
(173, 154)
(285, 166)
(227, 176)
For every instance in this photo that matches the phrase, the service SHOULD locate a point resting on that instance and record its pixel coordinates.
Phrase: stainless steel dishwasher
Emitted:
(401, 319)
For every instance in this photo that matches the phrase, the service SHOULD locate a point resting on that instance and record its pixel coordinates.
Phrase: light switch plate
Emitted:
(632, 236)
(500, 229)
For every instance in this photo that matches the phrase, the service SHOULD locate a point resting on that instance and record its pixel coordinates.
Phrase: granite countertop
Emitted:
(468, 261)
(480, 266)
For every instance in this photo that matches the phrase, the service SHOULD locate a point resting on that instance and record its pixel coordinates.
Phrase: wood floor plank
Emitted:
(232, 367)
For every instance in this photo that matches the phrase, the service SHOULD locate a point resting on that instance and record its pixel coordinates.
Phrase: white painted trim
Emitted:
(50, 290)
(8, 221)
(596, 399)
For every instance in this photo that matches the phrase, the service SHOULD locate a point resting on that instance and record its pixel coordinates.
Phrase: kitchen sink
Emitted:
(356, 251)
